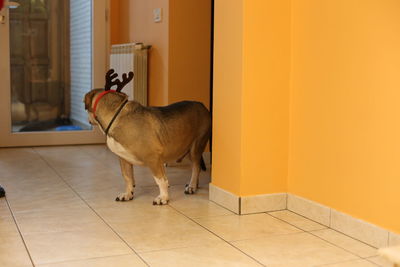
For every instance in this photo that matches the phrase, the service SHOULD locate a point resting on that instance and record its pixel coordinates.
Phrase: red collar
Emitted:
(98, 99)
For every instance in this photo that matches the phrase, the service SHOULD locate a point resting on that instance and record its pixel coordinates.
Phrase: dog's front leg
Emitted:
(162, 182)
(127, 172)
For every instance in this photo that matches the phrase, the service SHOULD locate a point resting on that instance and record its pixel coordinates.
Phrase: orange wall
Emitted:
(322, 75)
(119, 21)
(189, 50)
(345, 111)
(132, 21)
(179, 67)
(115, 32)
(265, 102)
(142, 28)
(227, 95)
(251, 96)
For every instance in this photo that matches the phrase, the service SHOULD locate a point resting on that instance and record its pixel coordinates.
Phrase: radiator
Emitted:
(132, 57)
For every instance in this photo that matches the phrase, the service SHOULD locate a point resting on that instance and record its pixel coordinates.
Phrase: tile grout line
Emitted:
(355, 219)
(20, 233)
(310, 232)
(348, 261)
(358, 257)
(287, 201)
(328, 227)
(86, 259)
(388, 239)
(369, 260)
(298, 214)
(218, 236)
(112, 229)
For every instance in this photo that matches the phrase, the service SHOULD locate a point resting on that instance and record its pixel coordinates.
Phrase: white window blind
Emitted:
(81, 57)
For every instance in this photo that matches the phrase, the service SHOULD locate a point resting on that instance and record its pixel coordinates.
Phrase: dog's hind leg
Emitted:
(194, 179)
(195, 156)
(162, 182)
(127, 172)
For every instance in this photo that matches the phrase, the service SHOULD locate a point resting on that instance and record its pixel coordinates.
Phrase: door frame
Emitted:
(100, 62)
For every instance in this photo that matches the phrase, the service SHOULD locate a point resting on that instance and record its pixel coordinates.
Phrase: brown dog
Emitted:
(149, 136)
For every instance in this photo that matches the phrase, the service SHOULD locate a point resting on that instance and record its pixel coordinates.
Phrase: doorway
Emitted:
(52, 56)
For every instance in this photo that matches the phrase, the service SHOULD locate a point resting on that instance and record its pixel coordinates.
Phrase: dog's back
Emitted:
(183, 125)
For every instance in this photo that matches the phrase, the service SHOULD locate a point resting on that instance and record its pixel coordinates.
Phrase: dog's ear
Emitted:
(88, 100)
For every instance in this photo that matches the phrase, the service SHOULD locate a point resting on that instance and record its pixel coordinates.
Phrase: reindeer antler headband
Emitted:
(110, 76)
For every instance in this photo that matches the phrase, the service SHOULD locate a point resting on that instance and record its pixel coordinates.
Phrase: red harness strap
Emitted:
(98, 99)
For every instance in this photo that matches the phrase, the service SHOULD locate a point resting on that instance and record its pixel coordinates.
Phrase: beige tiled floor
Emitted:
(60, 211)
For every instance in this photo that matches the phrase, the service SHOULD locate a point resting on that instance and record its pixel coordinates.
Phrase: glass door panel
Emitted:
(53, 57)
(50, 64)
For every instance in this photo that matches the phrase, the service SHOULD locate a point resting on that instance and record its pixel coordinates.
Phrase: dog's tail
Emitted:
(202, 164)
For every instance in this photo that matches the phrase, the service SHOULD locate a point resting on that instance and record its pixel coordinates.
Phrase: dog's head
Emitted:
(89, 102)
(111, 80)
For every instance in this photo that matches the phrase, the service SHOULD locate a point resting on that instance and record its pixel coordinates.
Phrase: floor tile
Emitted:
(100, 152)
(355, 263)
(7, 225)
(50, 189)
(70, 160)
(221, 254)
(64, 246)
(354, 246)
(165, 232)
(130, 211)
(29, 186)
(124, 260)
(17, 162)
(235, 227)
(16, 173)
(63, 199)
(196, 205)
(297, 220)
(60, 200)
(13, 252)
(4, 210)
(302, 249)
(380, 261)
(56, 220)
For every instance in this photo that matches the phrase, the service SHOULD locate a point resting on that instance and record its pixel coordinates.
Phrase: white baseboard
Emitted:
(358, 229)
(224, 198)
(263, 203)
(394, 239)
(309, 209)
(249, 204)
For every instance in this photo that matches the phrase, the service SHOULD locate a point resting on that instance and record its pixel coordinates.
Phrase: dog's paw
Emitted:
(160, 200)
(189, 190)
(124, 197)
